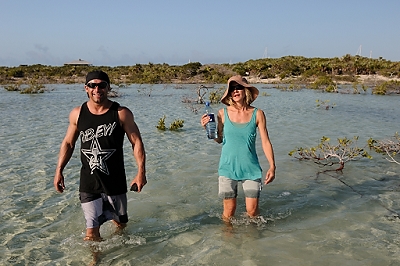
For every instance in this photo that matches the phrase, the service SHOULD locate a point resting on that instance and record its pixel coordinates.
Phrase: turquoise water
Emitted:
(176, 219)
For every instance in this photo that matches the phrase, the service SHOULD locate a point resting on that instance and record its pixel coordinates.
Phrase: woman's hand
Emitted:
(270, 176)
(204, 120)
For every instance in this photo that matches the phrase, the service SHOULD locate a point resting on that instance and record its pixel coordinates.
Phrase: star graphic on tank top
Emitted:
(97, 157)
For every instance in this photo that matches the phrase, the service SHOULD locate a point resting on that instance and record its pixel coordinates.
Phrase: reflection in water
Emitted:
(176, 219)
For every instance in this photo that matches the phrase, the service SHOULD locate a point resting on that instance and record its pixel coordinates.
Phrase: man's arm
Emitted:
(133, 134)
(66, 149)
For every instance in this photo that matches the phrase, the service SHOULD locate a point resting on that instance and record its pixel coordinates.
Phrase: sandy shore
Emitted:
(370, 80)
(363, 79)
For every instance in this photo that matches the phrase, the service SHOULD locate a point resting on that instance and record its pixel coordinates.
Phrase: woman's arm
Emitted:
(266, 145)
(220, 124)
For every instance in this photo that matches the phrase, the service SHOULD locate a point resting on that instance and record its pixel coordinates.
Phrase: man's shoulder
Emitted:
(122, 108)
(74, 115)
(124, 113)
(76, 110)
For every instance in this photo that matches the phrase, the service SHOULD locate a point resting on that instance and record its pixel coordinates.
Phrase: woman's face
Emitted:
(236, 91)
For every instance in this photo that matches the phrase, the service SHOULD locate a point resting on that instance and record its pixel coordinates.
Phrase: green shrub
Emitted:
(161, 124)
(176, 125)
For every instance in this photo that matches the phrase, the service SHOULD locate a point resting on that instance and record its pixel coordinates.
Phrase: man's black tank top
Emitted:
(102, 157)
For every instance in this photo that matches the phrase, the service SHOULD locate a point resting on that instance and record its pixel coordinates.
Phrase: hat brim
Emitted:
(242, 81)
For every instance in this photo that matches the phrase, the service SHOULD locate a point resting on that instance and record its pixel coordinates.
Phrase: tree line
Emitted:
(292, 68)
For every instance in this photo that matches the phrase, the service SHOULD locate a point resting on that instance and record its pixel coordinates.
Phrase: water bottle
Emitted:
(211, 126)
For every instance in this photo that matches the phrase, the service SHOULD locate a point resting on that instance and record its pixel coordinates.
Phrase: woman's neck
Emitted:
(240, 106)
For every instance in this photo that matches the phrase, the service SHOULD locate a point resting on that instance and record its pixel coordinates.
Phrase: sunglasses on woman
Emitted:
(101, 85)
(236, 87)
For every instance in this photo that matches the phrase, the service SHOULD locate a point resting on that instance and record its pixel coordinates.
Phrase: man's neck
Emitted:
(99, 108)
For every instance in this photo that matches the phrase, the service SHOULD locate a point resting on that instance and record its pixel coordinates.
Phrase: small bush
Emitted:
(161, 124)
(176, 125)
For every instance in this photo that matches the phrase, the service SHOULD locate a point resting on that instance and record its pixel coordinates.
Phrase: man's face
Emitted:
(97, 90)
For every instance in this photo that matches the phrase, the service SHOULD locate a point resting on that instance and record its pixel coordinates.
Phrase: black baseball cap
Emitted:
(98, 74)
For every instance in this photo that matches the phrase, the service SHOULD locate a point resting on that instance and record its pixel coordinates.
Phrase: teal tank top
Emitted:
(239, 159)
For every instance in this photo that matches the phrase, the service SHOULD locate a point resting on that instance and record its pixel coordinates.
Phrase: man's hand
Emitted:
(59, 182)
(140, 181)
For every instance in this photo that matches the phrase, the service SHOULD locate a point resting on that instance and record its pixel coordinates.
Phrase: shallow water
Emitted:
(175, 220)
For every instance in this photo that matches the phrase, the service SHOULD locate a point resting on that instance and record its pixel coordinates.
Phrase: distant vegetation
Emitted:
(321, 73)
(344, 68)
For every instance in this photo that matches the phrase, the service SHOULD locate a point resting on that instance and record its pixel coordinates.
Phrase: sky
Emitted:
(176, 32)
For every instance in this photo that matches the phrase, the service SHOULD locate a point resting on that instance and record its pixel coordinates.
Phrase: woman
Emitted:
(237, 125)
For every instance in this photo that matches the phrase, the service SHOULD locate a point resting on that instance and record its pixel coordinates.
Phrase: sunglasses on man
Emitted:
(101, 85)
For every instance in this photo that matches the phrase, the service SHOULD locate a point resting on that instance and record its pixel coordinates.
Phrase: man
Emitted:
(101, 125)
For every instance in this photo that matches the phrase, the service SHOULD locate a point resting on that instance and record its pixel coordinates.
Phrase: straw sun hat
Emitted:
(242, 81)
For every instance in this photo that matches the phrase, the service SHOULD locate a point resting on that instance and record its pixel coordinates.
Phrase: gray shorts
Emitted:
(100, 208)
(228, 188)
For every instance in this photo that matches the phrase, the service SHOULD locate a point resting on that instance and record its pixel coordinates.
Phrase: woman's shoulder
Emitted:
(259, 112)
(256, 109)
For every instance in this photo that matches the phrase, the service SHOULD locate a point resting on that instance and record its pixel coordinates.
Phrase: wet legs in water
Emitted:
(230, 208)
